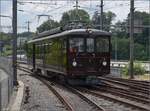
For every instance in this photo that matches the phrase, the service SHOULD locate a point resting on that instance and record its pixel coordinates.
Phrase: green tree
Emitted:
(140, 39)
(73, 15)
(143, 18)
(50, 24)
(108, 17)
(122, 48)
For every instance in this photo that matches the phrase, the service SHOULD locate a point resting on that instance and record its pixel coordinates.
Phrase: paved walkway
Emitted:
(3, 75)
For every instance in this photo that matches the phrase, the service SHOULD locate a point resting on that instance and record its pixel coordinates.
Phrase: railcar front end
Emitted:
(89, 56)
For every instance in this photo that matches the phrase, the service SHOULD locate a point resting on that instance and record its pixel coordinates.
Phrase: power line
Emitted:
(128, 26)
(6, 16)
(22, 3)
(72, 0)
(9, 27)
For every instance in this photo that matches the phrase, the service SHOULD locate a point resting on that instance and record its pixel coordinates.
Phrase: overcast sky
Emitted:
(29, 11)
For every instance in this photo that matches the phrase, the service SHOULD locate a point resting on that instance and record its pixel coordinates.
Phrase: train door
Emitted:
(76, 54)
(33, 56)
(90, 55)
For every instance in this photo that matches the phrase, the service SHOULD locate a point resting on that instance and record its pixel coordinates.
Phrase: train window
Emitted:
(90, 45)
(76, 45)
(102, 44)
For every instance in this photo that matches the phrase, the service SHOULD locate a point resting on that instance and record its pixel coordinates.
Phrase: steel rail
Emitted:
(48, 84)
(25, 70)
(60, 97)
(125, 91)
(125, 94)
(106, 96)
(135, 87)
(82, 96)
(140, 83)
(21, 62)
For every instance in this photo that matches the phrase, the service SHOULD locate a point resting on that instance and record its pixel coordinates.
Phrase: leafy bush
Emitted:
(138, 69)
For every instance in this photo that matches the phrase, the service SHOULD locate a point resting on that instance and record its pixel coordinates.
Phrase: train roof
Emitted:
(70, 32)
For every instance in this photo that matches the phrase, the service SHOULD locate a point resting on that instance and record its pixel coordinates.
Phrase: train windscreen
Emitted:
(102, 44)
(90, 45)
(76, 45)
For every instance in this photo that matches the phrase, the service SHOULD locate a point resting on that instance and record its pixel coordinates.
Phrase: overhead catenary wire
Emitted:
(65, 4)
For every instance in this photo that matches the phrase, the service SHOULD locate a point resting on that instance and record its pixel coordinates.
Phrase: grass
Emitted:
(138, 77)
(7, 52)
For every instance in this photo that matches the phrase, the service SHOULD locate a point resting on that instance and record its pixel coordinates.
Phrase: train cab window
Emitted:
(90, 45)
(102, 44)
(76, 45)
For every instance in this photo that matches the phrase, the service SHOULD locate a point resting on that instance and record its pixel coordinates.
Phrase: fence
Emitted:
(6, 82)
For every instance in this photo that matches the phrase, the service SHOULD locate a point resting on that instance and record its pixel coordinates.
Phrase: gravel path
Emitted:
(38, 97)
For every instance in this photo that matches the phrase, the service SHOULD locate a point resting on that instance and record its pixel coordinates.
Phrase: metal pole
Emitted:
(77, 8)
(14, 23)
(131, 71)
(116, 46)
(20, 48)
(28, 26)
(101, 18)
(76, 5)
(149, 42)
(28, 23)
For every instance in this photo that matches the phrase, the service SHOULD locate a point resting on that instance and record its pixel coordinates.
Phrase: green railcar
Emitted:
(74, 54)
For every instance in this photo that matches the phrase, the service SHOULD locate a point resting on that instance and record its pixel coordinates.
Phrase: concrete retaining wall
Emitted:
(115, 72)
(6, 82)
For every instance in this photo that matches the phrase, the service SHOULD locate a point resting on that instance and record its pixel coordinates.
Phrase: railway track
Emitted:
(58, 95)
(25, 69)
(73, 90)
(110, 92)
(124, 93)
(111, 86)
(134, 88)
(111, 97)
(142, 84)
(51, 85)
(79, 93)
(132, 80)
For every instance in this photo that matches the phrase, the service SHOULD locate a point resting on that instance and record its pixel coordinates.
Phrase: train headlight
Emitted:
(104, 63)
(74, 63)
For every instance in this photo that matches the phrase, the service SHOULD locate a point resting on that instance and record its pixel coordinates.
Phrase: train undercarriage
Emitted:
(72, 80)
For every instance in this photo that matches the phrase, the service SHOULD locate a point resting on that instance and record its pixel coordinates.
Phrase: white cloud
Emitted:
(56, 8)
